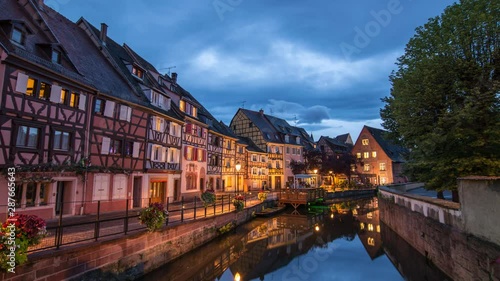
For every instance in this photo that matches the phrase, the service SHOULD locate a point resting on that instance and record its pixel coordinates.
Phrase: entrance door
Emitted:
(202, 181)
(137, 192)
(277, 182)
(60, 197)
(157, 192)
(177, 190)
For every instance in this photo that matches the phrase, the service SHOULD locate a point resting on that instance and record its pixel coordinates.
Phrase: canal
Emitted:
(342, 241)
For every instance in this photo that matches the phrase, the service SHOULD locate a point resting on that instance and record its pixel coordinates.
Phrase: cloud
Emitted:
(283, 62)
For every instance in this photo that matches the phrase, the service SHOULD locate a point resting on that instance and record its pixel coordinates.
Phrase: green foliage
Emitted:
(239, 202)
(153, 216)
(226, 228)
(208, 197)
(444, 103)
(28, 230)
(262, 196)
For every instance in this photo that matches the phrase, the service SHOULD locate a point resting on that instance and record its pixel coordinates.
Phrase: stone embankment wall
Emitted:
(438, 230)
(125, 258)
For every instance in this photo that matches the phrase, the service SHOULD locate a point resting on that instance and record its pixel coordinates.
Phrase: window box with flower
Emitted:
(208, 197)
(239, 202)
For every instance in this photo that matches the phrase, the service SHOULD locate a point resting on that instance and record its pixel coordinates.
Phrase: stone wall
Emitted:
(480, 205)
(459, 255)
(126, 257)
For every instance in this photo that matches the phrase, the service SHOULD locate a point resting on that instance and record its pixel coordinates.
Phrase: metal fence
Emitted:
(68, 230)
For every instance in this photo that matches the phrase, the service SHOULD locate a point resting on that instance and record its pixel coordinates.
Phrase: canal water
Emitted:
(342, 241)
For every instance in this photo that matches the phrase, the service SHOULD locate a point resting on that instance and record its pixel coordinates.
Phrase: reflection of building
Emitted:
(378, 160)
(369, 233)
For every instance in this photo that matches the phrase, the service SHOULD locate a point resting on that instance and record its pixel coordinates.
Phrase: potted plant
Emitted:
(153, 216)
(28, 230)
(208, 197)
(239, 202)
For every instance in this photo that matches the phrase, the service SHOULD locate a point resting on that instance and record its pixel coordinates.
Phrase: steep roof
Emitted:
(333, 143)
(395, 152)
(345, 138)
(251, 146)
(269, 133)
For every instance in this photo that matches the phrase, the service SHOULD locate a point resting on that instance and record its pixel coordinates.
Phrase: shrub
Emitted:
(239, 202)
(262, 196)
(208, 197)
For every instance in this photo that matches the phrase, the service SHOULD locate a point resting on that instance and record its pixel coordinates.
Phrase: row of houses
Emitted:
(84, 119)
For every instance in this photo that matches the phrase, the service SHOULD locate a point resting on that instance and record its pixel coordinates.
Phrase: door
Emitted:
(137, 192)
(177, 190)
(202, 181)
(277, 183)
(59, 197)
(157, 192)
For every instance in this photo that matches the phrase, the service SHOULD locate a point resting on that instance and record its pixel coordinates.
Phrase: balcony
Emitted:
(275, 171)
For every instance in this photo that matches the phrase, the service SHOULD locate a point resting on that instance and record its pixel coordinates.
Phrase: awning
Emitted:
(304, 176)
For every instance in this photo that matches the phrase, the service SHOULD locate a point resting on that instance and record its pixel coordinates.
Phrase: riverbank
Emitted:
(126, 257)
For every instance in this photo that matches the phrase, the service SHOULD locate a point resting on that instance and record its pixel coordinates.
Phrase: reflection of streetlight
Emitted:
(316, 228)
(315, 177)
(237, 276)
(331, 177)
(238, 167)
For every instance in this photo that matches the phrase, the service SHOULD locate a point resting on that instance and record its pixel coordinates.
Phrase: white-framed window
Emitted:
(366, 167)
(119, 186)
(61, 140)
(174, 155)
(158, 124)
(137, 72)
(125, 113)
(382, 167)
(254, 158)
(175, 129)
(18, 35)
(27, 137)
(101, 187)
(364, 142)
(158, 153)
(374, 154)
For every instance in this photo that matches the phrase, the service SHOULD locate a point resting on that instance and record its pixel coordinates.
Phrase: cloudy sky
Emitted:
(322, 65)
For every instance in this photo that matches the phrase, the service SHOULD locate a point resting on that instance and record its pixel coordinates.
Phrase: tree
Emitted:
(339, 164)
(444, 102)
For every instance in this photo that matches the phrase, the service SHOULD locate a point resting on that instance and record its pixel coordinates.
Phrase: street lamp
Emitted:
(238, 167)
(237, 276)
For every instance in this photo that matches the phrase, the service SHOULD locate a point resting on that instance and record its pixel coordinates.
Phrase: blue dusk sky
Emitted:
(322, 65)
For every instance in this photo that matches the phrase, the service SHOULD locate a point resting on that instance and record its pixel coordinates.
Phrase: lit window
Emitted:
(374, 154)
(17, 36)
(371, 241)
(44, 194)
(358, 155)
(254, 158)
(382, 167)
(201, 155)
(56, 56)
(30, 86)
(137, 72)
(30, 194)
(61, 140)
(64, 95)
(158, 124)
(182, 106)
(194, 112)
(370, 227)
(44, 92)
(156, 153)
(366, 154)
(27, 137)
(74, 100)
(366, 167)
(364, 141)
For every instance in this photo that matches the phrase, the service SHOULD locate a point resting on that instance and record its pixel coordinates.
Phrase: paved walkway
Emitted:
(87, 229)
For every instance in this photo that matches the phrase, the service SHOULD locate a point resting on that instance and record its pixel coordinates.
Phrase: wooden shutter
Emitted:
(195, 154)
(110, 108)
(21, 83)
(137, 147)
(123, 112)
(160, 100)
(162, 125)
(81, 103)
(105, 146)
(164, 154)
(189, 128)
(55, 94)
(185, 152)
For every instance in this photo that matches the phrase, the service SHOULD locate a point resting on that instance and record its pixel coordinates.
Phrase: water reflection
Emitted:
(337, 242)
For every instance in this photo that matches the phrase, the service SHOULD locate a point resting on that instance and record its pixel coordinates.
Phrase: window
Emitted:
(74, 100)
(254, 158)
(364, 141)
(382, 167)
(254, 171)
(115, 147)
(101, 187)
(61, 140)
(64, 96)
(129, 148)
(30, 86)
(137, 72)
(366, 167)
(119, 186)
(27, 137)
(297, 140)
(18, 35)
(43, 194)
(358, 155)
(366, 154)
(189, 153)
(250, 125)
(30, 194)
(201, 155)
(287, 150)
(99, 106)
(44, 92)
(287, 139)
(278, 165)
(287, 164)
(56, 56)
(182, 106)
(156, 153)
(374, 154)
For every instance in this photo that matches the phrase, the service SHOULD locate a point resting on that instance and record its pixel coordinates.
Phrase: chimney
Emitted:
(104, 33)
(261, 111)
(174, 77)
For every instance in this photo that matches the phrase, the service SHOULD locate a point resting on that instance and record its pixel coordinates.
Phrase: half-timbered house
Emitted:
(44, 102)
(256, 173)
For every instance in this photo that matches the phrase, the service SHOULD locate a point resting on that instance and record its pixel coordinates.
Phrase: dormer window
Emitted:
(18, 35)
(188, 108)
(137, 72)
(56, 56)
(297, 140)
(287, 139)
